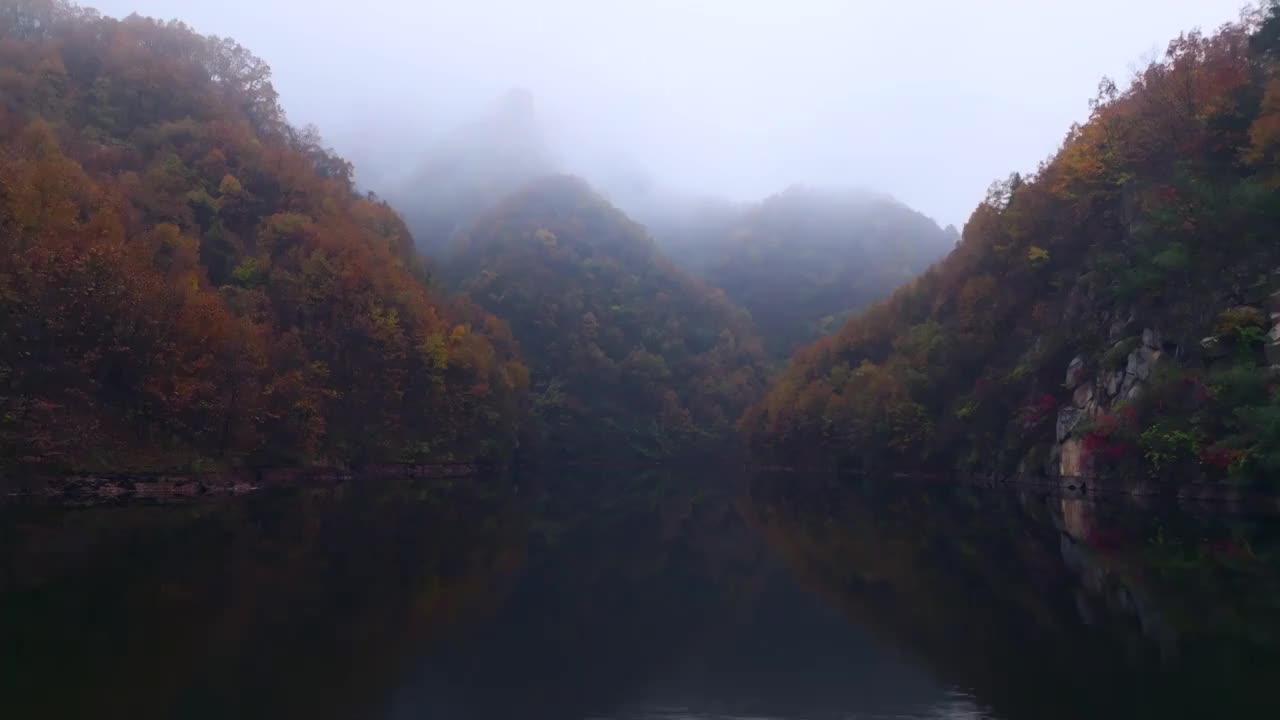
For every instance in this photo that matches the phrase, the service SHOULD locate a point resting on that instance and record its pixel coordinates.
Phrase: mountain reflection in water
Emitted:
(644, 594)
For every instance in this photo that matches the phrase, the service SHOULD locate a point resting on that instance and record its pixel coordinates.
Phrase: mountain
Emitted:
(801, 262)
(187, 280)
(1113, 313)
(626, 351)
(471, 169)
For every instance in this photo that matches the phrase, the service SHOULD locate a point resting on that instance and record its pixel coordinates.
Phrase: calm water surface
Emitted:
(637, 595)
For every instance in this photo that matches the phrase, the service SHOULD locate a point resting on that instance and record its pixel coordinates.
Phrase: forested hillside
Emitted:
(803, 261)
(627, 353)
(186, 279)
(1111, 313)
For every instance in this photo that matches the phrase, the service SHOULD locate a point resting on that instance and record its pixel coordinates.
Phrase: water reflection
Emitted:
(302, 603)
(643, 594)
(1045, 606)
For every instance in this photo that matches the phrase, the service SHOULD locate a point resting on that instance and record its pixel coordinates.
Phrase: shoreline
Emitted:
(162, 486)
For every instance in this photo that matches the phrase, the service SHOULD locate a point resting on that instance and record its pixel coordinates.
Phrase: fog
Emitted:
(928, 100)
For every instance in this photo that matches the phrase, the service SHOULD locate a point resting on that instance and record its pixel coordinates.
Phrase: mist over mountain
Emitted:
(805, 260)
(471, 168)
(800, 261)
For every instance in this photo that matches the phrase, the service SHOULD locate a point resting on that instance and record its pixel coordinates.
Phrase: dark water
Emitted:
(659, 594)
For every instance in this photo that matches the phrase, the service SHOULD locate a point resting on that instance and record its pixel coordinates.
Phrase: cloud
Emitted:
(929, 100)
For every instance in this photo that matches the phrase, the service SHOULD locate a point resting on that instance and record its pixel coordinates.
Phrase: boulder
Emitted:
(1115, 380)
(1068, 418)
(1138, 369)
(1083, 396)
(1214, 348)
(1075, 373)
(1120, 326)
(1273, 353)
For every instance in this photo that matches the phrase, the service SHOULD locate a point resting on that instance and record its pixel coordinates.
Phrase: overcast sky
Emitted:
(929, 100)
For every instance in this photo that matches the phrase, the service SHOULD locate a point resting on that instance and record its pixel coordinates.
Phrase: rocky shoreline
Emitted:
(161, 487)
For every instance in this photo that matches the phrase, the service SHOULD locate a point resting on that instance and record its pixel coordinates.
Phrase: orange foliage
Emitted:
(184, 277)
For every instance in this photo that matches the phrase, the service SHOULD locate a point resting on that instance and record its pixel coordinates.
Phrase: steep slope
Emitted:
(471, 169)
(626, 351)
(185, 278)
(802, 261)
(1137, 264)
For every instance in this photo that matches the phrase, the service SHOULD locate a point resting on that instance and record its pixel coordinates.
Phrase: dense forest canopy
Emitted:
(626, 351)
(1112, 312)
(185, 277)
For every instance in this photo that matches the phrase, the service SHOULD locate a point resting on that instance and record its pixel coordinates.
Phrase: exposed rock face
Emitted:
(1089, 399)
(1273, 337)
(1114, 380)
(1083, 405)
(1074, 460)
(1213, 347)
(1120, 326)
(1068, 419)
(1273, 345)
(1138, 370)
(1075, 373)
(1083, 396)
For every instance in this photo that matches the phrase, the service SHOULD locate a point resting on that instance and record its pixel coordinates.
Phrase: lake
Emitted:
(636, 594)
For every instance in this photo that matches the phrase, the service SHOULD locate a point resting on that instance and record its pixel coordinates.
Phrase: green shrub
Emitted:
(1239, 384)
(1262, 425)
(1168, 448)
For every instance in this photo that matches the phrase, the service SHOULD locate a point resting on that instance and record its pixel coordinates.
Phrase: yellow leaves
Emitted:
(251, 272)
(459, 332)
(230, 185)
(386, 322)
(171, 251)
(436, 351)
(40, 142)
(286, 224)
(546, 237)
(1037, 256)
(45, 193)
(1080, 164)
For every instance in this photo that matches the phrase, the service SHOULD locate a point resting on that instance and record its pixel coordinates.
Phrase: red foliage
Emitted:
(1220, 457)
(196, 279)
(1103, 445)
(1038, 410)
